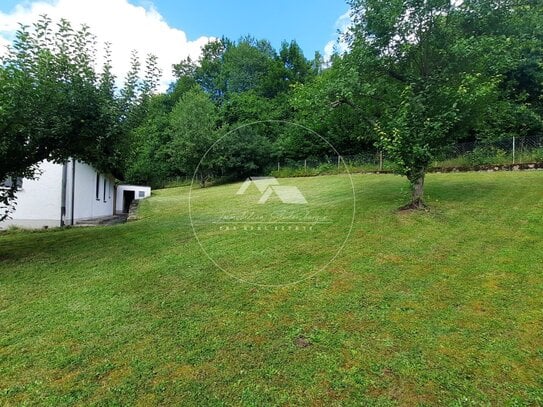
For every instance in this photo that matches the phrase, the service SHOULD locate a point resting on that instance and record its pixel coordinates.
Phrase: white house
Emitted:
(65, 194)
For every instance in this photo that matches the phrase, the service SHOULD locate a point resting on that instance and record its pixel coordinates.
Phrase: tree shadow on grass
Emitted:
(54, 245)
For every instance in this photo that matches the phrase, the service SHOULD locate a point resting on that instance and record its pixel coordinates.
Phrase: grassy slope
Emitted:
(444, 307)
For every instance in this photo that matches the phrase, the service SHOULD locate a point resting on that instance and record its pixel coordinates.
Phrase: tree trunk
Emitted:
(203, 178)
(416, 179)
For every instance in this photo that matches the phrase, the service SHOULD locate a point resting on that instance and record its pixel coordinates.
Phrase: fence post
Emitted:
(305, 165)
(278, 166)
(514, 148)
(338, 161)
(381, 160)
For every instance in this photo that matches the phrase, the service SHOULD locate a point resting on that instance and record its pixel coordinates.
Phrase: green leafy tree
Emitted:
(242, 151)
(54, 105)
(151, 162)
(432, 68)
(227, 68)
(330, 105)
(193, 122)
(50, 103)
(250, 107)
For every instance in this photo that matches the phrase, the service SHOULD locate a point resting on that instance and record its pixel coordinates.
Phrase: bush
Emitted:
(487, 155)
(537, 155)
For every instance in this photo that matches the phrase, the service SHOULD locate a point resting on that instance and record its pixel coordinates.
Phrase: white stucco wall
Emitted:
(86, 205)
(140, 192)
(39, 202)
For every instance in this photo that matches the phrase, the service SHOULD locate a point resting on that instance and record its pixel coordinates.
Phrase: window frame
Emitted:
(18, 181)
(97, 186)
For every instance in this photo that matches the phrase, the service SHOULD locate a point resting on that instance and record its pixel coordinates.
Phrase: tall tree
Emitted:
(431, 66)
(151, 161)
(249, 65)
(193, 123)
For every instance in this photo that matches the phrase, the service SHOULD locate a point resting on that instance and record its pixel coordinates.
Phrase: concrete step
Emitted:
(104, 221)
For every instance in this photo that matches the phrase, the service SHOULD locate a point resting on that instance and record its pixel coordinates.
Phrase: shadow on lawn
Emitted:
(54, 244)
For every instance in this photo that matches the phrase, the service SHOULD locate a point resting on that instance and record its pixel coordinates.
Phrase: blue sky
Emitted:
(311, 23)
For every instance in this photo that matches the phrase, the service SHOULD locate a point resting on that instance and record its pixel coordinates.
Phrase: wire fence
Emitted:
(515, 150)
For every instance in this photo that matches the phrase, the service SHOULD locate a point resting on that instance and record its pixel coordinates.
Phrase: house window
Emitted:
(8, 182)
(141, 194)
(105, 185)
(97, 186)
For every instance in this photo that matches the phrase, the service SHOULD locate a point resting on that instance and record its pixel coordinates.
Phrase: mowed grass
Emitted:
(433, 308)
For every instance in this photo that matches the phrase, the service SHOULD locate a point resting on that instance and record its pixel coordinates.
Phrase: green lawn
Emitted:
(436, 308)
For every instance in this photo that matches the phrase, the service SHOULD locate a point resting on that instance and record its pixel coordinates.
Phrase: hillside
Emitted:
(432, 308)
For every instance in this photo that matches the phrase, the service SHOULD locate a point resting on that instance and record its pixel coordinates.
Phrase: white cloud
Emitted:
(124, 25)
(338, 45)
(3, 44)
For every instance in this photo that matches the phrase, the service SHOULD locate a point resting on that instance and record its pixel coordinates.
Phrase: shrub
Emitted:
(537, 155)
(487, 155)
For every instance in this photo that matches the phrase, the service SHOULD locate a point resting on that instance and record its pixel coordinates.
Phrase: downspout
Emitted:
(114, 197)
(63, 194)
(73, 191)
